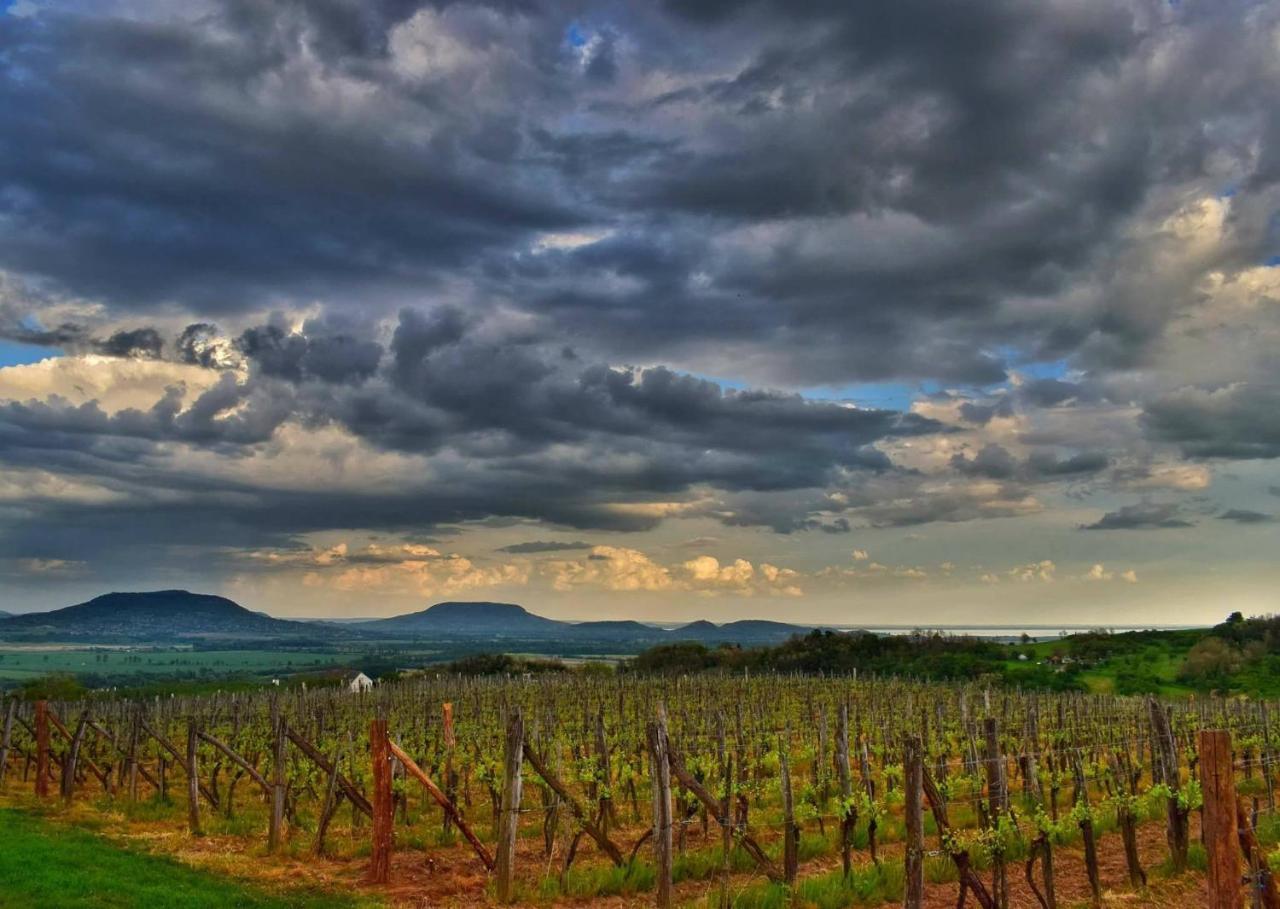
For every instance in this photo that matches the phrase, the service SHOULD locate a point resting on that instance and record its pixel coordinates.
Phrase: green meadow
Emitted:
(47, 866)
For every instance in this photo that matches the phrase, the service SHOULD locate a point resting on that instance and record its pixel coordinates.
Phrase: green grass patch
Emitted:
(868, 885)
(55, 867)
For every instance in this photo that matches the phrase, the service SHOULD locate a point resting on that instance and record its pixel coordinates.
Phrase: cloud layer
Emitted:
(360, 274)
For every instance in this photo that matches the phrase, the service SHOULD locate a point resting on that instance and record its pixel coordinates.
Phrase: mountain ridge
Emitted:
(161, 613)
(164, 614)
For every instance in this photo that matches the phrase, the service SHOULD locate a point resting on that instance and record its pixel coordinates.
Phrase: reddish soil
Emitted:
(453, 877)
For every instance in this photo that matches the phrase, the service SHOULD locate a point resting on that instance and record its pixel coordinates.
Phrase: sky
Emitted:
(904, 313)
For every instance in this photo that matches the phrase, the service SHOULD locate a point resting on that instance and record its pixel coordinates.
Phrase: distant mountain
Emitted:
(746, 631)
(175, 614)
(454, 619)
(507, 620)
(620, 630)
(154, 615)
(5, 615)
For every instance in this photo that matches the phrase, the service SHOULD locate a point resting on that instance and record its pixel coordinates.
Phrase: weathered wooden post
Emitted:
(1165, 753)
(913, 807)
(790, 832)
(661, 775)
(6, 735)
(72, 761)
(1217, 782)
(450, 775)
(275, 826)
(130, 769)
(383, 806)
(509, 822)
(726, 831)
(847, 816)
(42, 749)
(193, 780)
(1266, 893)
(996, 806)
(1086, 832)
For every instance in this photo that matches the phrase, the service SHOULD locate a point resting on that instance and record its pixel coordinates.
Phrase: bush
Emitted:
(1210, 660)
(57, 687)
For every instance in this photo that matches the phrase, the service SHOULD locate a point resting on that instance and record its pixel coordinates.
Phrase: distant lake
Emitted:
(1039, 632)
(1010, 631)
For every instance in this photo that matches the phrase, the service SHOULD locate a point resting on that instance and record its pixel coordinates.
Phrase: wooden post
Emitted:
(1264, 883)
(790, 832)
(509, 822)
(847, 816)
(869, 785)
(996, 806)
(131, 758)
(450, 777)
(661, 775)
(383, 806)
(1218, 784)
(726, 832)
(1086, 832)
(411, 767)
(1165, 753)
(6, 736)
(332, 796)
(913, 806)
(42, 749)
(193, 779)
(73, 758)
(276, 822)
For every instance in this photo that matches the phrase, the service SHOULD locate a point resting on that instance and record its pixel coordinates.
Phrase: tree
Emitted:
(1212, 659)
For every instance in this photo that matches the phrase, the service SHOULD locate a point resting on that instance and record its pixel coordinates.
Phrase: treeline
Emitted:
(930, 656)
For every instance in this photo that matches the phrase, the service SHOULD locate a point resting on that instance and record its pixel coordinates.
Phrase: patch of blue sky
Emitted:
(879, 395)
(1035, 369)
(882, 395)
(893, 395)
(573, 34)
(726, 384)
(19, 8)
(1053, 369)
(15, 354)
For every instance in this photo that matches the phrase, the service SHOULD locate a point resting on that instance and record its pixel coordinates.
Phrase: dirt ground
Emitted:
(451, 877)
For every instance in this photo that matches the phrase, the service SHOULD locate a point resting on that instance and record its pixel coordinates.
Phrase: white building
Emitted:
(360, 683)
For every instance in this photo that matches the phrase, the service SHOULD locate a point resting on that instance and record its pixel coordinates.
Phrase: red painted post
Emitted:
(1217, 781)
(383, 807)
(42, 749)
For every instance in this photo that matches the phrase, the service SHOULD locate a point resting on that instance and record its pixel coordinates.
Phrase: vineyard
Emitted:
(714, 790)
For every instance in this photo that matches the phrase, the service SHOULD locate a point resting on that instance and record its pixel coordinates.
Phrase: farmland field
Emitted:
(813, 772)
(21, 663)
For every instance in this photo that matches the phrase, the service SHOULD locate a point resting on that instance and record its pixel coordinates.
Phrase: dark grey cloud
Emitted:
(319, 351)
(138, 343)
(992, 461)
(518, 429)
(982, 414)
(1245, 516)
(1046, 464)
(1142, 516)
(995, 462)
(201, 344)
(1053, 392)
(1240, 421)
(535, 546)
(844, 192)
(227, 414)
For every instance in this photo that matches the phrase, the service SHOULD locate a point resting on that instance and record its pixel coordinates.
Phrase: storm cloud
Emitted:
(792, 270)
